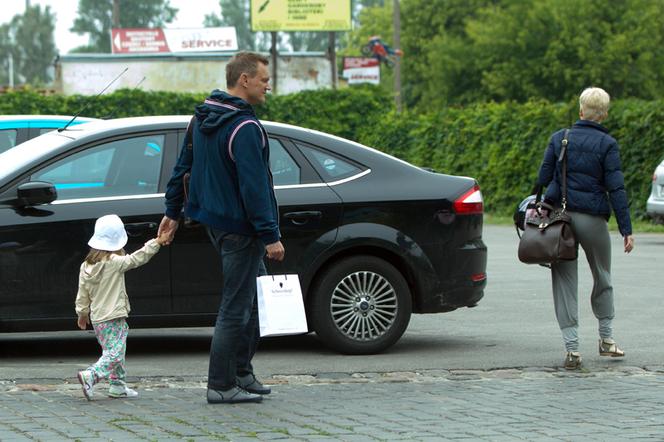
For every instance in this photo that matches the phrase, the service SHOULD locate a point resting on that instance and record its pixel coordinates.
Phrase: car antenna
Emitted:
(86, 106)
(112, 114)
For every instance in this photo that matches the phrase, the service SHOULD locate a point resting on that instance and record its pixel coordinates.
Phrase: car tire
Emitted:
(371, 309)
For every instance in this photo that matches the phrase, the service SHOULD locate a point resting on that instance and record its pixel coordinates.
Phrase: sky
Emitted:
(65, 12)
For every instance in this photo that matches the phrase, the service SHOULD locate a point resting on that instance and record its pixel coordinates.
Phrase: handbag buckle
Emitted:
(543, 225)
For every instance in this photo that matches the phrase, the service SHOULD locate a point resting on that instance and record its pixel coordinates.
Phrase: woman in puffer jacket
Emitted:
(595, 184)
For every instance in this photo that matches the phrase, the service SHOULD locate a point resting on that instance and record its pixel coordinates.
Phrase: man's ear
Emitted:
(244, 79)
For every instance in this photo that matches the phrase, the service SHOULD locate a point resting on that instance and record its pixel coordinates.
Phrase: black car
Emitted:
(372, 238)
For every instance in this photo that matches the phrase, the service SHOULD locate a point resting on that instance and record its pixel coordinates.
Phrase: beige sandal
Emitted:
(608, 347)
(572, 360)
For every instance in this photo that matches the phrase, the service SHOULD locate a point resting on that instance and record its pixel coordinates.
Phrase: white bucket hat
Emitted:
(110, 234)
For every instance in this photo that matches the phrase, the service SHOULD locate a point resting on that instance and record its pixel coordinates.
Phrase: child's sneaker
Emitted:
(87, 380)
(120, 391)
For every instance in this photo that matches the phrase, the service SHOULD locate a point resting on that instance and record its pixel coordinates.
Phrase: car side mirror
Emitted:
(35, 193)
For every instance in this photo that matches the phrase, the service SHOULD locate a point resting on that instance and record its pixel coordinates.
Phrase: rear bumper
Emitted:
(655, 207)
(464, 288)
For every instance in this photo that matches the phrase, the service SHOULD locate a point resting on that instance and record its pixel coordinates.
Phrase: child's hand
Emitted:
(162, 240)
(83, 322)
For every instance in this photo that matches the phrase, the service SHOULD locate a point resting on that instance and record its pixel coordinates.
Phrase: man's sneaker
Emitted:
(252, 385)
(233, 395)
(608, 347)
(87, 380)
(572, 360)
(119, 391)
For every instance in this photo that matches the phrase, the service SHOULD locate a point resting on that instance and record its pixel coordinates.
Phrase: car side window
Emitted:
(331, 166)
(44, 130)
(7, 139)
(123, 167)
(285, 171)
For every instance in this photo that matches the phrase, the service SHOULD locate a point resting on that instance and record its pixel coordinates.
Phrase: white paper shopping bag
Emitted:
(280, 305)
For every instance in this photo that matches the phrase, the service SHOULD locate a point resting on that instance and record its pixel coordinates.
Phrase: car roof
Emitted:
(20, 121)
(32, 150)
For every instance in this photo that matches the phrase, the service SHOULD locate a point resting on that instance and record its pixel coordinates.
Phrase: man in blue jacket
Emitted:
(231, 193)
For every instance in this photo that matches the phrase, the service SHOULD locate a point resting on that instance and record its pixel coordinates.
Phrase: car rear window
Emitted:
(331, 167)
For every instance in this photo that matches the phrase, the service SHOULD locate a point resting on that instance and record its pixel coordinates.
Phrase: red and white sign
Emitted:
(361, 70)
(125, 41)
(132, 41)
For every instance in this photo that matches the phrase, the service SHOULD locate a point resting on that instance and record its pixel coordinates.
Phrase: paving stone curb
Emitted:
(350, 378)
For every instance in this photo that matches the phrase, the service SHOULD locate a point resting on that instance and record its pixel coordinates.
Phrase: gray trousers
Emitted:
(592, 234)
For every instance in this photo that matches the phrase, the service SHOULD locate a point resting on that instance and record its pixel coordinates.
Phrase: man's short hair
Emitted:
(243, 63)
(594, 103)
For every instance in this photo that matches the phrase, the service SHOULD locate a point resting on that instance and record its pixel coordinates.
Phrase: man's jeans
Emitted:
(236, 332)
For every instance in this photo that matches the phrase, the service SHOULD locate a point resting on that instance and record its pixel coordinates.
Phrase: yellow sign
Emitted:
(300, 15)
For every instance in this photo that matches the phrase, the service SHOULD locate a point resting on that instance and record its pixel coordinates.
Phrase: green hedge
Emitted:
(499, 144)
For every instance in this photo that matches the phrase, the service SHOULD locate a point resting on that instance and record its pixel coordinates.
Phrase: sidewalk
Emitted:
(500, 405)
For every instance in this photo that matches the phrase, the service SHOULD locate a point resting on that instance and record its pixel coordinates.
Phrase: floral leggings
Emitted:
(112, 336)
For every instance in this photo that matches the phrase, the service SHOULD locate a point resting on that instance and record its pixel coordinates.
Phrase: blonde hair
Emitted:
(94, 256)
(594, 104)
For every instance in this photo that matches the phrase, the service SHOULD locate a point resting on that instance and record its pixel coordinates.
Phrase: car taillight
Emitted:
(654, 177)
(470, 203)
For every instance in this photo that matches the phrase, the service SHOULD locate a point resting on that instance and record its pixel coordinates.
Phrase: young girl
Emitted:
(102, 299)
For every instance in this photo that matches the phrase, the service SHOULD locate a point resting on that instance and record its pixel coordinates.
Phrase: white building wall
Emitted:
(88, 74)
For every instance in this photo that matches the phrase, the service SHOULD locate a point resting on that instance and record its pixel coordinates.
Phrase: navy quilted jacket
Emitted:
(594, 174)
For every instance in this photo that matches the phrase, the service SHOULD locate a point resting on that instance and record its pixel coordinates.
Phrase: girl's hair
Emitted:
(95, 256)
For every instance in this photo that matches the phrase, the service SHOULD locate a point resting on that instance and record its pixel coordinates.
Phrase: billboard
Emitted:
(361, 70)
(300, 15)
(151, 40)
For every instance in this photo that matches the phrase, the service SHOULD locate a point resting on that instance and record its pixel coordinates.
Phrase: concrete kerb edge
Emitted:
(422, 376)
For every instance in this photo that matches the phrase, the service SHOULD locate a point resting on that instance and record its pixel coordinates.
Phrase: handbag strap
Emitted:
(563, 157)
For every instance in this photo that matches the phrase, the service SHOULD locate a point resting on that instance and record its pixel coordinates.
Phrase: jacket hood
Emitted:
(92, 272)
(220, 108)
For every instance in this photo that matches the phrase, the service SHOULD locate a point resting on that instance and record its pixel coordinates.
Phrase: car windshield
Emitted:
(23, 154)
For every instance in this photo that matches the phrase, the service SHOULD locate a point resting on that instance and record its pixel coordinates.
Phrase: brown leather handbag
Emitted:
(548, 237)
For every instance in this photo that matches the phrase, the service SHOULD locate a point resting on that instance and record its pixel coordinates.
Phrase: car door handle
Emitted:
(301, 218)
(135, 229)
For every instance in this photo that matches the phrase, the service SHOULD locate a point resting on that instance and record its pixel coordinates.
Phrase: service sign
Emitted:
(361, 70)
(300, 15)
(134, 41)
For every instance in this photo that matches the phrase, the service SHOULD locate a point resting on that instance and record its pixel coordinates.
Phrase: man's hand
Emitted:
(166, 231)
(629, 243)
(275, 251)
(83, 322)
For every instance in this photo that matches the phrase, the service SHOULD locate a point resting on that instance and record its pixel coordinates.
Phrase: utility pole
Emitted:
(332, 55)
(116, 13)
(396, 20)
(11, 71)
(273, 54)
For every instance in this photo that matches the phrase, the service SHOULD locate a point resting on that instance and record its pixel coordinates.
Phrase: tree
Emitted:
(95, 18)
(461, 51)
(29, 40)
(554, 49)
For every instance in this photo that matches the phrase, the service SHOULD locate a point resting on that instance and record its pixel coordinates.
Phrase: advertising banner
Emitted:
(300, 15)
(361, 70)
(148, 40)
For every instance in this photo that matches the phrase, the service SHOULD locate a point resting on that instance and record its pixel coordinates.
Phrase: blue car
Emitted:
(15, 129)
